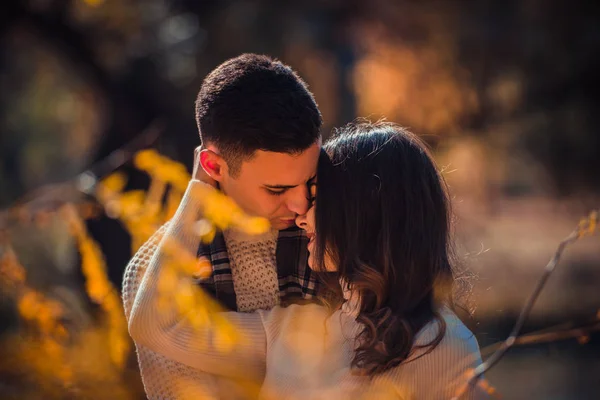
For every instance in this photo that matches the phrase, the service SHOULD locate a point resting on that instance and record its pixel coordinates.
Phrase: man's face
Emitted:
(274, 185)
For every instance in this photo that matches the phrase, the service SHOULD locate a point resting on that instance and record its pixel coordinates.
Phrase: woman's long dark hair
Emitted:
(383, 218)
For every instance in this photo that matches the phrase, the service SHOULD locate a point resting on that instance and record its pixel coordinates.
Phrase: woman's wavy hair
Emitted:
(383, 218)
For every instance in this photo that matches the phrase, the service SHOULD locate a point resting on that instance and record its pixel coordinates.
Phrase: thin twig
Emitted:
(586, 226)
(125, 153)
(547, 337)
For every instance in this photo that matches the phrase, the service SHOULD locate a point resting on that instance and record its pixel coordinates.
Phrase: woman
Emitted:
(379, 231)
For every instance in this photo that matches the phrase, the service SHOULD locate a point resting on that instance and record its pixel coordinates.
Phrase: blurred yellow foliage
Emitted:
(54, 355)
(588, 225)
(11, 272)
(142, 214)
(98, 286)
(42, 314)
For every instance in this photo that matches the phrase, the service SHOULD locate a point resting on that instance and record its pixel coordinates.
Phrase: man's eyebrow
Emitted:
(280, 186)
(310, 180)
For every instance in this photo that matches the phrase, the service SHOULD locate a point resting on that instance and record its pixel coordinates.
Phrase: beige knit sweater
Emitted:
(254, 275)
(165, 378)
(298, 352)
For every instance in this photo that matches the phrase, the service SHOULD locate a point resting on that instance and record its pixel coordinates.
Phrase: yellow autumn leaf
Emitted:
(146, 159)
(114, 182)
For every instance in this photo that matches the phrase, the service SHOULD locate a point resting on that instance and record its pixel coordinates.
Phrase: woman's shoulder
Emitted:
(437, 372)
(458, 345)
(455, 330)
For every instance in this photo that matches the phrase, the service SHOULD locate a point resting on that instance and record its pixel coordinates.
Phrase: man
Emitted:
(260, 131)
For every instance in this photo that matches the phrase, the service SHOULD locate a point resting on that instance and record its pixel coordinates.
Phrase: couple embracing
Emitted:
(348, 296)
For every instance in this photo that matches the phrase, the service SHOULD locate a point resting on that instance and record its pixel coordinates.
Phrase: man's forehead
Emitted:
(276, 169)
(287, 183)
(289, 177)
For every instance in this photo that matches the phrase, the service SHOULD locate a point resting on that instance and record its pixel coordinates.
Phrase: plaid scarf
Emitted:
(295, 278)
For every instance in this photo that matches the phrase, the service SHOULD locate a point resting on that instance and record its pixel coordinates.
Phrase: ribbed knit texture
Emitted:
(298, 352)
(255, 281)
(253, 269)
(162, 377)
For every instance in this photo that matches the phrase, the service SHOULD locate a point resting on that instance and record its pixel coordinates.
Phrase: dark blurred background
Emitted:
(505, 92)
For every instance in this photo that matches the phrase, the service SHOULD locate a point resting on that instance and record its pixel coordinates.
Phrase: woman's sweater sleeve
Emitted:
(166, 332)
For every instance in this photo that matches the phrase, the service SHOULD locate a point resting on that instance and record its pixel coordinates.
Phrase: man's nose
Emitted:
(298, 200)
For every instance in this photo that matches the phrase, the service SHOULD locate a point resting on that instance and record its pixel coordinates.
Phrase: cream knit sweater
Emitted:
(254, 275)
(298, 352)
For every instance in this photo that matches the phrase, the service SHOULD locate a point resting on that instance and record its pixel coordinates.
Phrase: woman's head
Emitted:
(381, 219)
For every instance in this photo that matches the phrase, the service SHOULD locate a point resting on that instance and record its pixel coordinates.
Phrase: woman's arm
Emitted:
(166, 332)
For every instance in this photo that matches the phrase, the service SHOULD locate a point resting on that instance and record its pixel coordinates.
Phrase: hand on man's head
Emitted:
(198, 172)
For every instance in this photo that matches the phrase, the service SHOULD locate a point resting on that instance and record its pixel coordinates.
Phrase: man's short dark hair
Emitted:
(254, 102)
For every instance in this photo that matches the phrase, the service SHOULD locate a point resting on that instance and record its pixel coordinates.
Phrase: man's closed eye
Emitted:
(276, 192)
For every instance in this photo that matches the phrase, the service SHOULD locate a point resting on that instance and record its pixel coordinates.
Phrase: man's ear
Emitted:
(213, 164)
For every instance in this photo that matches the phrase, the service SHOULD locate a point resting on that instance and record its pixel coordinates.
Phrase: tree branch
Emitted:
(587, 226)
